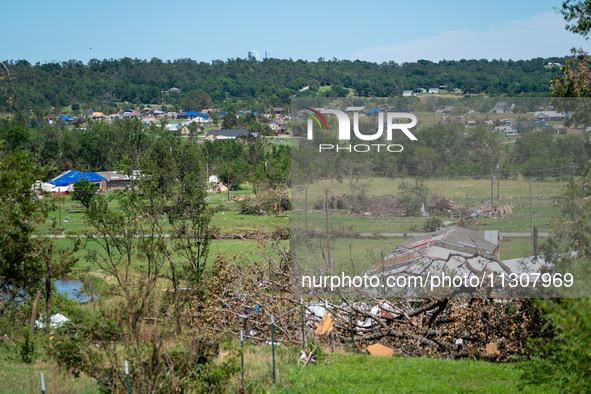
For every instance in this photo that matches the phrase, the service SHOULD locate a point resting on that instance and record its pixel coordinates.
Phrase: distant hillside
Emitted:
(272, 82)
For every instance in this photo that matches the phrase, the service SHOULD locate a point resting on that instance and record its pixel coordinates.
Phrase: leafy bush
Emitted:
(433, 224)
(562, 358)
(27, 349)
(265, 200)
(412, 197)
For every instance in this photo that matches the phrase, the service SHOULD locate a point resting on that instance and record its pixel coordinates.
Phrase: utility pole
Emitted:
(59, 200)
(531, 212)
(328, 232)
(306, 189)
(498, 183)
(228, 163)
(492, 186)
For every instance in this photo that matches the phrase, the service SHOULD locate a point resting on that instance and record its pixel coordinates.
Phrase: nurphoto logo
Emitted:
(393, 122)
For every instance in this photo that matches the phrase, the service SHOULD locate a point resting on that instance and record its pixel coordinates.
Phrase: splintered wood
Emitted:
(325, 326)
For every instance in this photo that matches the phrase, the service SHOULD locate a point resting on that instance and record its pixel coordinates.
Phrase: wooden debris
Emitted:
(325, 325)
(379, 350)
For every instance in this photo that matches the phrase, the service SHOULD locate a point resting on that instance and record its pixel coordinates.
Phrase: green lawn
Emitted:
(367, 374)
(513, 190)
(337, 373)
(17, 377)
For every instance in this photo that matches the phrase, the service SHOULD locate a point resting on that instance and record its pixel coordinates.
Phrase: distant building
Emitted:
(354, 109)
(173, 90)
(444, 109)
(116, 180)
(68, 178)
(226, 134)
(546, 116)
(407, 93)
(412, 255)
(503, 107)
(253, 55)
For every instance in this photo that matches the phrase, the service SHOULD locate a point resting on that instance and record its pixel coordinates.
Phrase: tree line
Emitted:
(99, 146)
(269, 83)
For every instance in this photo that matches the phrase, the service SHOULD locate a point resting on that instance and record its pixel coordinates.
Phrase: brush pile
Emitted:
(247, 295)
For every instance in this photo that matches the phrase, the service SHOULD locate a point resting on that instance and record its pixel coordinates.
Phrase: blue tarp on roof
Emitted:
(74, 176)
(203, 114)
(66, 118)
(191, 113)
(375, 110)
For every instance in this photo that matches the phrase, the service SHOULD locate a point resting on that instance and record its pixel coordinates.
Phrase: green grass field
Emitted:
(514, 190)
(337, 373)
(16, 377)
(364, 374)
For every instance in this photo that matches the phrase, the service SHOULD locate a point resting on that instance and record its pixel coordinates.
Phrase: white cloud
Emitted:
(542, 35)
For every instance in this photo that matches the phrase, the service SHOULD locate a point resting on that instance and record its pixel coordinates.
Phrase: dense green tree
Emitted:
(84, 192)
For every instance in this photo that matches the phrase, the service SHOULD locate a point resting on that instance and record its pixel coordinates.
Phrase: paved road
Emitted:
(508, 235)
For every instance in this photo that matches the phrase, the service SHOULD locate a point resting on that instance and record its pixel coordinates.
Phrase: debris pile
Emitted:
(244, 297)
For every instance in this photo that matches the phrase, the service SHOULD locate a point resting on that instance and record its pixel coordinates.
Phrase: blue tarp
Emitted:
(74, 176)
(66, 118)
(375, 110)
(203, 114)
(191, 113)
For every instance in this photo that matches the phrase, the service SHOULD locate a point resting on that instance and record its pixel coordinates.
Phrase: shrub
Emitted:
(27, 349)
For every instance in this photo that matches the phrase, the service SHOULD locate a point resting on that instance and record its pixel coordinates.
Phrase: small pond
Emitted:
(72, 289)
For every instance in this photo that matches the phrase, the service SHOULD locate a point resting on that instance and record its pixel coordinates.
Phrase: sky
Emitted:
(376, 31)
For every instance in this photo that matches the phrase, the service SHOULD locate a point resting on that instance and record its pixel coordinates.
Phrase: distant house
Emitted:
(173, 90)
(520, 126)
(547, 116)
(434, 90)
(116, 180)
(407, 93)
(68, 178)
(444, 109)
(225, 134)
(413, 255)
(98, 116)
(471, 124)
(278, 111)
(156, 113)
(178, 127)
(375, 111)
(503, 107)
(422, 90)
(132, 114)
(354, 109)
